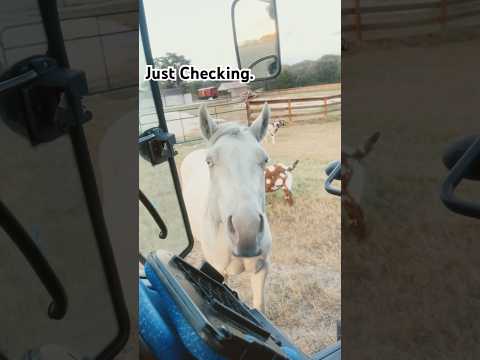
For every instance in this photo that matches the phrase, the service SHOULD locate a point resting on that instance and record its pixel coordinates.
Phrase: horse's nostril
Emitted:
(231, 228)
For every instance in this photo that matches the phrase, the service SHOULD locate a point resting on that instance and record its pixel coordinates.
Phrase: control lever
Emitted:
(21, 238)
(154, 214)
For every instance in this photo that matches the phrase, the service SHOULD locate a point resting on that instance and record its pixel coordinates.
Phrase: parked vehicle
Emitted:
(207, 93)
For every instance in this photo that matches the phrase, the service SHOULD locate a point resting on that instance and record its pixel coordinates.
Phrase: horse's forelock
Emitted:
(230, 129)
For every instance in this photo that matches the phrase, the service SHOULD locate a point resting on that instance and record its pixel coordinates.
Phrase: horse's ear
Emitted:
(207, 123)
(260, 125)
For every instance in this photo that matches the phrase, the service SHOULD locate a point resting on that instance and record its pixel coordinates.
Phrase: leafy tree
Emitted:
(327, 69)
(175, 60)
(285, 80)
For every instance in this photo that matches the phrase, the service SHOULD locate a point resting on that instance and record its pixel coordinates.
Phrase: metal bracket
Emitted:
(156, 145)
(36, 92)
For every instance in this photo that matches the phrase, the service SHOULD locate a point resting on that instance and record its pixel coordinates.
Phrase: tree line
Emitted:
(324, 70)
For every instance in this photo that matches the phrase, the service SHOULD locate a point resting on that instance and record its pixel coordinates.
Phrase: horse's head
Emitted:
(236, 163)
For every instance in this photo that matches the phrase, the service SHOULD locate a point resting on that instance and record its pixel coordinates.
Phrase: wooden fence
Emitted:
(377, 19)
(290, 108)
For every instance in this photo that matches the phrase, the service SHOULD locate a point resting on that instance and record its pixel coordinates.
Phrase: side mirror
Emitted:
(255, 30)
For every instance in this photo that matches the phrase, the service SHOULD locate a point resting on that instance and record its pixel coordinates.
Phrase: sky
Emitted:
(202, 30)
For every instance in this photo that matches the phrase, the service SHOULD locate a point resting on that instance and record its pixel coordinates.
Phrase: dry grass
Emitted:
(303, 288)
(415, 277)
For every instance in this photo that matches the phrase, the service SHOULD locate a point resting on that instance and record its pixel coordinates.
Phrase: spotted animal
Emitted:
(280, 176)
(273, 128)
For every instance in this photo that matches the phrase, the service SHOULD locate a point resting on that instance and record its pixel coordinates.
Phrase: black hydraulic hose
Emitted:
(154, 214)
(457, 173)
(332, 176)
(26, 245)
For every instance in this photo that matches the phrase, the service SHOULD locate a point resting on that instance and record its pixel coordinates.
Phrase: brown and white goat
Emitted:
(280, 176)
(273, 128)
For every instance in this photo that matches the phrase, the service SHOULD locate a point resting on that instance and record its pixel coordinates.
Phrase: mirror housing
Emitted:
(257, 43)
(153, 145)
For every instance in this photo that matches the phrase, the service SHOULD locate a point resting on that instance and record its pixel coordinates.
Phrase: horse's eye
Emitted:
(209, 162)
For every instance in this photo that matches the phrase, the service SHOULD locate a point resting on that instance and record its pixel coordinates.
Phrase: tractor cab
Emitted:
(186, 311)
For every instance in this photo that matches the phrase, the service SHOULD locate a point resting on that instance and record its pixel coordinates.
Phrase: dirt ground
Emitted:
(303, 287)
(410, 289)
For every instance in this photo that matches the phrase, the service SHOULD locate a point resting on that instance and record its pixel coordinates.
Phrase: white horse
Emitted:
(224, 191)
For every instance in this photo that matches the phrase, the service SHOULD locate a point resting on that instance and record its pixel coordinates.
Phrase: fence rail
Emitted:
(372, 19)
(184, 123)
(183, 120)
(324, 105)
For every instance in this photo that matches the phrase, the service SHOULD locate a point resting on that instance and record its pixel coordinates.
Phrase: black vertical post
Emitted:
(57, 50)
(157, 100)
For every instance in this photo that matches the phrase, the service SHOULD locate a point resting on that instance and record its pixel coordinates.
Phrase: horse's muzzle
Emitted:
(246, 253)
(246, 235)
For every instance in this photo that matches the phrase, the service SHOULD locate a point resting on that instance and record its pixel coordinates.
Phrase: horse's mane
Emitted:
(228, 129)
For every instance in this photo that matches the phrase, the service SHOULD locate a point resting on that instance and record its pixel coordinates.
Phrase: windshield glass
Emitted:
(41, 187)
(45, 194)
(157, 184)
(303, 137)
(21, 32)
